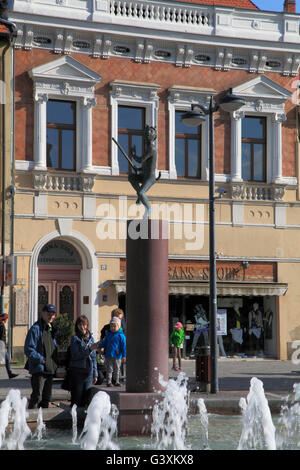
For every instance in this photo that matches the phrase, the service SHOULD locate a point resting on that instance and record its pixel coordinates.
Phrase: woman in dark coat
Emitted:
(83, 362)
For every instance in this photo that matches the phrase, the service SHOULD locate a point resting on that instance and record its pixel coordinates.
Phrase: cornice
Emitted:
(226, 39)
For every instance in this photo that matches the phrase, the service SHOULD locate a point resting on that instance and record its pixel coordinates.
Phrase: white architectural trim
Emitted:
(64, 79)
(181, 99)
(127, 93)
(88, 278)
(263, 98)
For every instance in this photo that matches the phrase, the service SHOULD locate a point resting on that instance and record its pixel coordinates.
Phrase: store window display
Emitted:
(255, 323)
(201, 327)
(237, 329)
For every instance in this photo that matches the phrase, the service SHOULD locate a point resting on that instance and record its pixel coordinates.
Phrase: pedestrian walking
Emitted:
(114, 345)
(41, 351)
(3, 320)
(83, 370)
(176, 340)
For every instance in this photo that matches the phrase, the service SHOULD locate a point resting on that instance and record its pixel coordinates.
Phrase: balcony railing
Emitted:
(257, 192)
(61, 182)
(163, 12)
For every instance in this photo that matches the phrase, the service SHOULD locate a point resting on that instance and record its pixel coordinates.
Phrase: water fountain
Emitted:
(258, 428)
(14, 408)
(172, 427)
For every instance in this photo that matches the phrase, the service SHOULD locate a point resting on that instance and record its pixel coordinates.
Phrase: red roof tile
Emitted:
(225, 3)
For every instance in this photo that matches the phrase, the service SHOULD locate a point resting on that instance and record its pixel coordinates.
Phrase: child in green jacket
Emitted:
(176, 340)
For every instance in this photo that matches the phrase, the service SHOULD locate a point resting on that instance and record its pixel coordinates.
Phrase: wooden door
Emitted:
(63, 294)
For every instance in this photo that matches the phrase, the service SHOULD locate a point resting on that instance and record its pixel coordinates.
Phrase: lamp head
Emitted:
(193, 118)
(231, 102)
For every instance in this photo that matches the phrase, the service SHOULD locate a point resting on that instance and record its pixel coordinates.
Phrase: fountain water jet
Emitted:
(169, 417)
(41, 427)
(100, 424)
(203, 423)
(14, 408)
(258, 427)
(74, 423)
(288, 431)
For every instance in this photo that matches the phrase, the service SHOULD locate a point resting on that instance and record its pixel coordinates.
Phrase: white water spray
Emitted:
(258, 428)
(13, 409)
(288, 432)
(203, 432)
(169, 417)
(41, 427)
(74, 423)
(100, 424)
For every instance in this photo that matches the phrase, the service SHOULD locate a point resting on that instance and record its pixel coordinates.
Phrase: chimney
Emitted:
(289, 6)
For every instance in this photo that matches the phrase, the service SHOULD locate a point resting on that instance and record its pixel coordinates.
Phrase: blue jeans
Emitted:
(80, 383)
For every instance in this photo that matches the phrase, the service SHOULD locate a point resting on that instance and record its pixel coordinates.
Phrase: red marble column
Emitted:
(147, 305)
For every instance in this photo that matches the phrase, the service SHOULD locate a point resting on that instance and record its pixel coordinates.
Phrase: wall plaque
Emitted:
(21, 307)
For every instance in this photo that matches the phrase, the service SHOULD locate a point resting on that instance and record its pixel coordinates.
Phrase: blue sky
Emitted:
(274, 5)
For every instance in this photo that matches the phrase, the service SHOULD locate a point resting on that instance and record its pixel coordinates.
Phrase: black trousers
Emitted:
(81, 384)
(41, 386)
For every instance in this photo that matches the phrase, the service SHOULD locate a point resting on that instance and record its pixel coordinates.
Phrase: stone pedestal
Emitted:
(135, 412)
(147, 305)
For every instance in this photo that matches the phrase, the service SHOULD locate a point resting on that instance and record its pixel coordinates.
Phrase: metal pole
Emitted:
(214, 387)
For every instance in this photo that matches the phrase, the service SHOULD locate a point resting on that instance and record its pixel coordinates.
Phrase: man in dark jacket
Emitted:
(41, 351)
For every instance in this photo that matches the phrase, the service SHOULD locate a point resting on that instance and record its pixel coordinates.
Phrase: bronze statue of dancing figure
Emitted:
(143, 177)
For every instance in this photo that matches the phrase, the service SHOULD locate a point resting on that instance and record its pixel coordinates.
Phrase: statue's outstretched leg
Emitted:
(134, 181)
(142, 196)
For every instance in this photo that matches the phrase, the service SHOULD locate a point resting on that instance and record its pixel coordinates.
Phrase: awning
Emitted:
(229, 288)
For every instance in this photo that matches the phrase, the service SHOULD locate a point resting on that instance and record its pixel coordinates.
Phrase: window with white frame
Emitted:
(63, 115)
(61, 135)
(188, 146)
(256, 132)
(254, 148)
(133, 106)
(131, 125)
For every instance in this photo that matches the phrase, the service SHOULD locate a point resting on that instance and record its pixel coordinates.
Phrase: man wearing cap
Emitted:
(3, 319)
(41, 351)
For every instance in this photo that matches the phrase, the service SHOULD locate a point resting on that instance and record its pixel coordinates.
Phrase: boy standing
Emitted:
(114, 345)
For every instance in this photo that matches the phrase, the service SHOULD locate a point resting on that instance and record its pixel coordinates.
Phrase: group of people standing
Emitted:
(41, 352)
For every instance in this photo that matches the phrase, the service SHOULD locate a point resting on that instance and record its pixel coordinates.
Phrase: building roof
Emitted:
(248, 4)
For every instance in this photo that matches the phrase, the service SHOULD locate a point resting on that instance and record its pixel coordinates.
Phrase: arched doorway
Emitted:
(59, 269)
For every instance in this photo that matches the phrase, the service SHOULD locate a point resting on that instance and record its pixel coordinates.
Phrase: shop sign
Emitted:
(225, 271)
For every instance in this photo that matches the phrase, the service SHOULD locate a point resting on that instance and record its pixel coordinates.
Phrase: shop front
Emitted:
(247, 305)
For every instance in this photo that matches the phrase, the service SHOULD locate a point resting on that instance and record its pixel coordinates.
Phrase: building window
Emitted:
(187, 149)
(61, 135)
(254, 148)
(131, 124)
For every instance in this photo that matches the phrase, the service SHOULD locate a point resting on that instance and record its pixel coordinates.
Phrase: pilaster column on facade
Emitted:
(87, 145)
(236, 146)
(277, 120)
(40, 131)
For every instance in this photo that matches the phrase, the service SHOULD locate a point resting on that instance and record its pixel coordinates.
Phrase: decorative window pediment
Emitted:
(262, 94)
(77, 77)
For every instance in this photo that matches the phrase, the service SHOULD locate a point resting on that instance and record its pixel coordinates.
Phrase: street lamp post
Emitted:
(194, 117)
